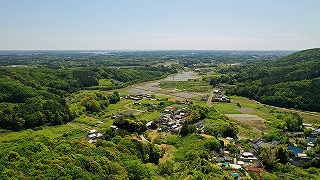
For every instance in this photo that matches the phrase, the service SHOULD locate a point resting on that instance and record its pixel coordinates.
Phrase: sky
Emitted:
(159, 24)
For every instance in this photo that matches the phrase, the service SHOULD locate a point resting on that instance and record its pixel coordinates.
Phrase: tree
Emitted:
(282, 154)
(212, 144)
(166, 168)
(268, 158)
(293, 122)
(184, 131)
(230, 130)
(239, 105)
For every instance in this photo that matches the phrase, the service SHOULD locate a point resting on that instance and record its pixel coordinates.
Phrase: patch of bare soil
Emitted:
(245, 101)
(244, 117)
(258, 125)
(245, 110)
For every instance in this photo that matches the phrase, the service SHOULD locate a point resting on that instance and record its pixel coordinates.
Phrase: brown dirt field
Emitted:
(169, 152)
(153, 134)
(309, 117)
(258, 125)
(244, 110)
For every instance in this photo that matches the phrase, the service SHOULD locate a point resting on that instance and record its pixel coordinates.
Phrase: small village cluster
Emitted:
(173, 118)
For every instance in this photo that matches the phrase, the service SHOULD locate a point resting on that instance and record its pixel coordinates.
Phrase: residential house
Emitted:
(93, 135)
(247, 156)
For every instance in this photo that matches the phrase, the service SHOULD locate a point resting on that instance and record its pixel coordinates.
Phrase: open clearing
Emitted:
(244, 117)
(245, 110)
(169, 152)
(258, 125)
(185, 95)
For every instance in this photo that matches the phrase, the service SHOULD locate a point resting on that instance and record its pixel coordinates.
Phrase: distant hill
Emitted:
(292, 81)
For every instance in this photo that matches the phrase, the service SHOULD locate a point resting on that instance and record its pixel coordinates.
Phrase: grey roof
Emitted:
(220, 159)
(227, 158)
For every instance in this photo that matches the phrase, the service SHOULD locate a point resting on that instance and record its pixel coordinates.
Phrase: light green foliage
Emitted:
(212, 144)
(104, 82)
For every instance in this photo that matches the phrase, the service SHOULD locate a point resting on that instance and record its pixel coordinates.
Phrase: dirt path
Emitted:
(143, 138)
(210, 98)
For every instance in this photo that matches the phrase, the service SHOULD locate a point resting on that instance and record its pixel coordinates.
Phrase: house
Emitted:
(221, 98)
(137, 103)
(260, 143)
(295, 149)
(258, 164)
(93, 135)
(220, 159)
(227, 158)
(298, 161)
(311, 139)
(149, 123)
(247, 156)
(315, 133)
(302, 155)
(255, 169)
(176, 130)
(235, 166)
(114, 127)
(214, 154)
(308, 126)
(240, 163)
(297, 134)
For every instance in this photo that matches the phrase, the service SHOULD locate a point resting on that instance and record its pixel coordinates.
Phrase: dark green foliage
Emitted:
(166, 168)
(292, 81)
(184, 131)
(34, 97)
(130, 125)
(227, 129)
(86, 78)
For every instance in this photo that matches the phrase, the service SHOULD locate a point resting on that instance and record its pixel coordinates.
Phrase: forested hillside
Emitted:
(31, 97)
(292, 81)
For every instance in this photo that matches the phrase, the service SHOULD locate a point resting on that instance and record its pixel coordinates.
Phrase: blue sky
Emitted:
(159, 25)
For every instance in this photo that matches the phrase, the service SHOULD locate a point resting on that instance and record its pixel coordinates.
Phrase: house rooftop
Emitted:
(295, 149)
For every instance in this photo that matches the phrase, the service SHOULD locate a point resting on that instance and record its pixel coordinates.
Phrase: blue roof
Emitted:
(235, 175)
(310, 139)
(295, 149)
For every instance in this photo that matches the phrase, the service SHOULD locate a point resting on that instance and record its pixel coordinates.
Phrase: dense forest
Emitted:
(31, 97)
(292, 81)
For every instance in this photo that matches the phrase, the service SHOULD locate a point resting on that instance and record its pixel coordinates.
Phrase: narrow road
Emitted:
(210, 98)
(143, 138)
